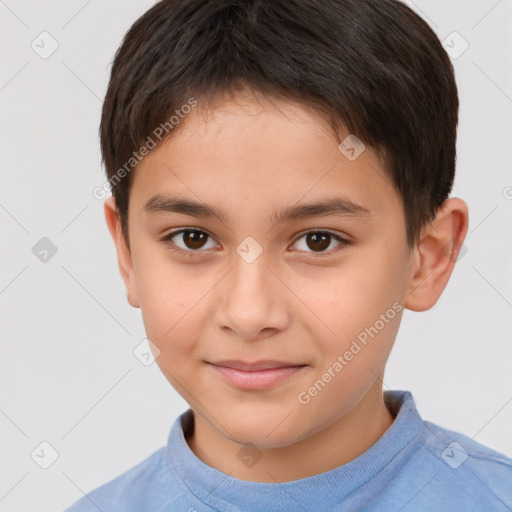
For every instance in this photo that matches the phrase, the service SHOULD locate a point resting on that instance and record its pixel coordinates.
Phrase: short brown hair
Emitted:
(372, 66)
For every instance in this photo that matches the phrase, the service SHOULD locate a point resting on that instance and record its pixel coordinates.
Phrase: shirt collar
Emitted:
(319, 492)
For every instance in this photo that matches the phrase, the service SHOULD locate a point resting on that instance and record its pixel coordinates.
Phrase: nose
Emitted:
(253, 301)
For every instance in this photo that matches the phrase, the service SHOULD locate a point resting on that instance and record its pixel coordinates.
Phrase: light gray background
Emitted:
(68, 373)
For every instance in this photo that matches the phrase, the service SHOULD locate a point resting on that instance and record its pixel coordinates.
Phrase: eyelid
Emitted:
(343, 240)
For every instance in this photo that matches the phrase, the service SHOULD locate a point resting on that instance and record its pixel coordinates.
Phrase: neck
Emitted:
(354, 433)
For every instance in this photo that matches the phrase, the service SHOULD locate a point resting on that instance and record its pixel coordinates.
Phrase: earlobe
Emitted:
(436, 254)
(124, 257)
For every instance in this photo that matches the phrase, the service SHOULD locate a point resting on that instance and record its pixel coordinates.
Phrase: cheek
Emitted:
(170, 303)
(345, 300)
(173, 324)
(358, 310)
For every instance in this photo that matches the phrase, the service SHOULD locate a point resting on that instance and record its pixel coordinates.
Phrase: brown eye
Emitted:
(191, 240)
(319, 242)
(194, 239)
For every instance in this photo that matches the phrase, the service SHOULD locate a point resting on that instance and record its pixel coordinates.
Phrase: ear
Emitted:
(124, 257)
(436, 254)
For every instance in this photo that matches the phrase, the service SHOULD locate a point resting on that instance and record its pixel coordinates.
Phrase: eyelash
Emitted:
(168, 241)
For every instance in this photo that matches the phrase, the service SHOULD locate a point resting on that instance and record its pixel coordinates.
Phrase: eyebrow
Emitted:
(340, 206)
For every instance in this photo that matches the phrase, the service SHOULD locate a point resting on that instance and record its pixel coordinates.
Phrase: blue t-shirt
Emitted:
(415, 466)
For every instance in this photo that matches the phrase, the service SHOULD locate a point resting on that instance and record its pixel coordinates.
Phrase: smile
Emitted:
(255, 379)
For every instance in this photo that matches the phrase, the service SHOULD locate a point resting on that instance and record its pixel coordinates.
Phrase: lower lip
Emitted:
(260, 379)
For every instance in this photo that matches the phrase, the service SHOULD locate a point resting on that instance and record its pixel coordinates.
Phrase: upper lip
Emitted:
(254, 365)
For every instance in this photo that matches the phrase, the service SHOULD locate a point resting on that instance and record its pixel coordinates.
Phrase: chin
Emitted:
(263, 431)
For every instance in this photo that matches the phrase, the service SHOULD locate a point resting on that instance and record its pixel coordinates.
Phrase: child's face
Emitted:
(219, 299)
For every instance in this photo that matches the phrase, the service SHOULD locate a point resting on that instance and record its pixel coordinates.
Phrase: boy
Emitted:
(280, 173)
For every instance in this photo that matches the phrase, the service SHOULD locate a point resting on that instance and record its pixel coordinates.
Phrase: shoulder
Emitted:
(134, 490)
(475, 472)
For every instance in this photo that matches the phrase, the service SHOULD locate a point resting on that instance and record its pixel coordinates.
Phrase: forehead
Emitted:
(258, 155)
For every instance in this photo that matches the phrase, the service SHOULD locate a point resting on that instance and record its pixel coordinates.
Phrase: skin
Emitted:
(249, 157)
